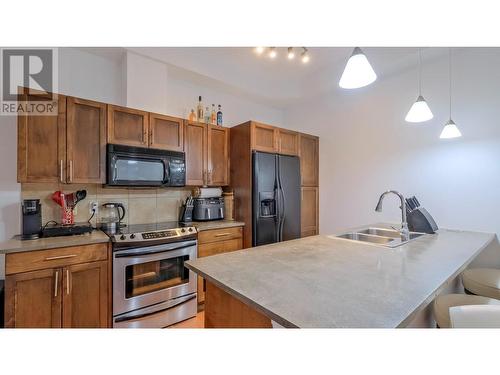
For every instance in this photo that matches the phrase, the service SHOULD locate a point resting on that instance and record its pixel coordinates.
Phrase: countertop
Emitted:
(16, 245)
(326, 282)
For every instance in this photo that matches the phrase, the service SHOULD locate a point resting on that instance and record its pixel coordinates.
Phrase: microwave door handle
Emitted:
(166, 164)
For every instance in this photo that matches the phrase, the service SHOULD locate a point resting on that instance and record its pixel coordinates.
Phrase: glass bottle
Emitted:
(207, 116)
(200, 109)
(219, 116)
(192, 116)
(213, 115)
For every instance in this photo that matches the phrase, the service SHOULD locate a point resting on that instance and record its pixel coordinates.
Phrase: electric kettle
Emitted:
(112, 215)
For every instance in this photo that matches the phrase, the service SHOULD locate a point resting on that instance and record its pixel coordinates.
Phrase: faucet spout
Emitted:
(405, 233)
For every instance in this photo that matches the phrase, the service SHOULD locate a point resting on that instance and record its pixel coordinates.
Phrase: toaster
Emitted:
(208, 209)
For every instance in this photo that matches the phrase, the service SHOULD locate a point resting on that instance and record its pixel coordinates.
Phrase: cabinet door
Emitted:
(264, 137)
(309, 157)
(218, 155)
(309, 208)
(288, 142)
(166, 132)
(41, 142)
(127, 126)
(33, 299)
(195, 145)
(208, 249)
(85, 295)
(86, 141)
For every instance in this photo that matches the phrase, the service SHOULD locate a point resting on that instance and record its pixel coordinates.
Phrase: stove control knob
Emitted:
(190, 229)
(132, 236)
(183, 230)
(122, 237)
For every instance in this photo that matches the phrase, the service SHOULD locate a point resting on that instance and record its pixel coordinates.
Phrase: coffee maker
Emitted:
(32, 219)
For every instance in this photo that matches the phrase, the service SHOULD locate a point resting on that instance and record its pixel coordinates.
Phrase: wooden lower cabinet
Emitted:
(309, 211)
(33, 299)
(85, 297)
(62, 295)
(217, 241)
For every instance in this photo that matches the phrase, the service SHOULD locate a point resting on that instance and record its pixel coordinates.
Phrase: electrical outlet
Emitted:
(93, 208)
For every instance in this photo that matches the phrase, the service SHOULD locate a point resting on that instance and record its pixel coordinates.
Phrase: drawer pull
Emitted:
(61, 257)
(222, 234)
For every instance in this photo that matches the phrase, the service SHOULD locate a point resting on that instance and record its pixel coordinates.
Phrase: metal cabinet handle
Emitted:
(56, 282)
(67, 281)
(222, 234)
(61, 257)
(71, 171)
(61, 171)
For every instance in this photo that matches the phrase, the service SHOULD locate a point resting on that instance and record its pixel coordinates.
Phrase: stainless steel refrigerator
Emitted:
(275, 198)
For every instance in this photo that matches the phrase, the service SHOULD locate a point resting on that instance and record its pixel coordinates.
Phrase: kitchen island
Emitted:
(327, 282)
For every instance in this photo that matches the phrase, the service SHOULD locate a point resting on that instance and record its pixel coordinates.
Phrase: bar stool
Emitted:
(482, 282)
(443, 303)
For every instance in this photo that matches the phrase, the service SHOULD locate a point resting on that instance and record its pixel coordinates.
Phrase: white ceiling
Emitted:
(278, 82)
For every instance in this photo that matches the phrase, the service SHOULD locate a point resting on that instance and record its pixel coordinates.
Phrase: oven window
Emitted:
(148, 277)
(139, 170)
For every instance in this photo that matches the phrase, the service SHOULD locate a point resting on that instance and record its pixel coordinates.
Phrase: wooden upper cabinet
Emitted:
(309, 159)
(85, 141)
(218, 155)
(264, 137)
(309, 211)
(33, 299)
(166, 132)
(127, 126)
(195, 144)
(85, 295)
(288, 142)
(41, 145)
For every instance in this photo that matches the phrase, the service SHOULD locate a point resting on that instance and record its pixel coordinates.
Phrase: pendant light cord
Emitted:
(419, 71)
(449, 70)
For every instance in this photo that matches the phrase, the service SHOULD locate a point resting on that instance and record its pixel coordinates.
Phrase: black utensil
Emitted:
(80, 195)
(416, 201)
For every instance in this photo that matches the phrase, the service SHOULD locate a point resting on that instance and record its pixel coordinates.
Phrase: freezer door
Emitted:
(289, 197)
(264, 199)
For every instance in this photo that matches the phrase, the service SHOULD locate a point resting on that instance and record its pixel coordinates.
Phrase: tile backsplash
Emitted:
(148, 205)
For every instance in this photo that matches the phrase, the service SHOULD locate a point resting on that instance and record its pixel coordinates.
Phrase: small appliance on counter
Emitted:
(419, 220)
(57, 230)
(32, 219)
(111, 216)
(208, 204)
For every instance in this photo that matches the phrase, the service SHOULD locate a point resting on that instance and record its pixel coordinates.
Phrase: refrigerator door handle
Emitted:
(282, 212)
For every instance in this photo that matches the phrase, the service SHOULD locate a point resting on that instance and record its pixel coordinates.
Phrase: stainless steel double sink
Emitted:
(378, 236)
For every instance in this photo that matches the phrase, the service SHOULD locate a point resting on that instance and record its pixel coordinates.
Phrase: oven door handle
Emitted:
(151, 252)
(152, 310)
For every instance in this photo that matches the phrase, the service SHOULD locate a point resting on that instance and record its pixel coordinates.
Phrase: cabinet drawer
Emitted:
(220, 247)
(53, 258)
(215, 235)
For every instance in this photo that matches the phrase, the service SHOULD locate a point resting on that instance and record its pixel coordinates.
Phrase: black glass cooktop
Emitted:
(140, 228)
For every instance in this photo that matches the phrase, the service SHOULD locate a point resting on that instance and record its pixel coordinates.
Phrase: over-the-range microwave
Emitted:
(138, 166)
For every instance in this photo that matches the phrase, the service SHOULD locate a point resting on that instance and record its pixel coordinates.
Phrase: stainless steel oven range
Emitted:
(151, 286)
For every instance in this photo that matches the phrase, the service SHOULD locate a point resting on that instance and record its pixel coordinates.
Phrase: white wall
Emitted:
(366, 147)
(157, 87)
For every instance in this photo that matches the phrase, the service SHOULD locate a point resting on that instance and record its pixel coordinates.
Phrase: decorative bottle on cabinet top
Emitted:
(207, 116)
(213, 115)
(219, 116)
(199, 110)
(192, 116)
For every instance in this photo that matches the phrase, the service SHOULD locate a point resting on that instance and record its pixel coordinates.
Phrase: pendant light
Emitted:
(419, 111)
(450, 129)
(358, 72)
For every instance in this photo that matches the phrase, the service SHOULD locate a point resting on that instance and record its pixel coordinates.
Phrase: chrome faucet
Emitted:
(405, 232)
